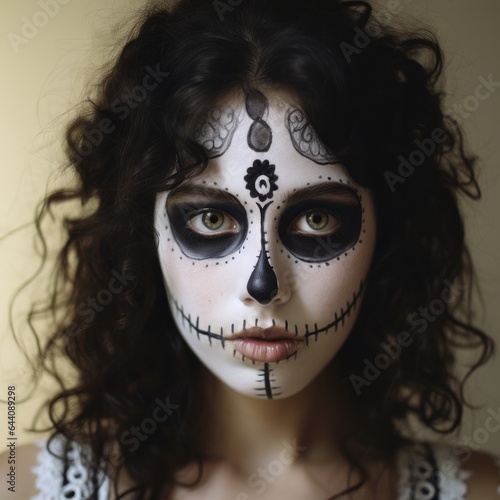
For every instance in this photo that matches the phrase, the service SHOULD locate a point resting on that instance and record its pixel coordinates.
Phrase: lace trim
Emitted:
(419, 479)
(49, 472)
(417, 475)
(452, 479)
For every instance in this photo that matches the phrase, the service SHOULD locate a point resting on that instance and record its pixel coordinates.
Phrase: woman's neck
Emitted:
(247, 431)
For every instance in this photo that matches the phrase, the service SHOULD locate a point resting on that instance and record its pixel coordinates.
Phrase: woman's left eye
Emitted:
(315, 221)
(213, 222)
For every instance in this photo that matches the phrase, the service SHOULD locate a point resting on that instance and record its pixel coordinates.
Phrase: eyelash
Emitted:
(331, 223)
(197, 223)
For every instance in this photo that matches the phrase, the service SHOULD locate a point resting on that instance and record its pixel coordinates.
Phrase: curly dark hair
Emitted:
(372, 94)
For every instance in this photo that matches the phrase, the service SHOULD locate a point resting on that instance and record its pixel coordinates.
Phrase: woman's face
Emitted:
(265, 254)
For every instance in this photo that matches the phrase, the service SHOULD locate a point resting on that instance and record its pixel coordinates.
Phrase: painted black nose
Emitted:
(263, 284)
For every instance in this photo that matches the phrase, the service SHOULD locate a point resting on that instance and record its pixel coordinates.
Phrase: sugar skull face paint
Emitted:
(265, 254)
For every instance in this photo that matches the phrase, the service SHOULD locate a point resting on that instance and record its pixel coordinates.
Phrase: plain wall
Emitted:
(42, 79)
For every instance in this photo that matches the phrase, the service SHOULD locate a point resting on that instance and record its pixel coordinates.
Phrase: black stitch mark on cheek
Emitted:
(266, 380)
(211, 335)
(195, 326)
(288, 358)
(304, 138)
(260, 135)
(339, 319)
(216, 130)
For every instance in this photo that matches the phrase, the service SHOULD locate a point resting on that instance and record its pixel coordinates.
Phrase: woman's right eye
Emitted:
(213, 222)
(315, 223)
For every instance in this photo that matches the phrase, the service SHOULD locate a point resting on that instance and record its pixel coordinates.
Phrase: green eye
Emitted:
(317, 220)
(213, 223)
(213, 220)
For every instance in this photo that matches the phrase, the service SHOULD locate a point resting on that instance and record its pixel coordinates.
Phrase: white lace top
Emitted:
(426, 472)
(54, 481)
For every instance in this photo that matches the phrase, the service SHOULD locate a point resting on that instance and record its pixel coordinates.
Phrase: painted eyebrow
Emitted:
(324, 189)
(190, 191)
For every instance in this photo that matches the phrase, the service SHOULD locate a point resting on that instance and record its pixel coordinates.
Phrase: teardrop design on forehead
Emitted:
(260, 135)
(216, 130)
(304, 138)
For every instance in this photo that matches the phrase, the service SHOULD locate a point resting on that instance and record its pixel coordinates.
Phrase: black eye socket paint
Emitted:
(320, 246)
(200, 246)
(304, 138)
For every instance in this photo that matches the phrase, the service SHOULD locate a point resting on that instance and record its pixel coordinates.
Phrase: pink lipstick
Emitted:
(265, 344)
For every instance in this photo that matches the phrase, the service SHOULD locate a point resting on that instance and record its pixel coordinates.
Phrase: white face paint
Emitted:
(265, 254)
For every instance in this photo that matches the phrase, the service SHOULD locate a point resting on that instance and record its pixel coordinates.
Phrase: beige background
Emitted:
(43, 79)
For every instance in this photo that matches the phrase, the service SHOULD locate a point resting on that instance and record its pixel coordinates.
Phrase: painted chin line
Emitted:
(268, 345)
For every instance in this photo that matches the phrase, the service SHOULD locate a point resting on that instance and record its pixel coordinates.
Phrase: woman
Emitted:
(267, 277)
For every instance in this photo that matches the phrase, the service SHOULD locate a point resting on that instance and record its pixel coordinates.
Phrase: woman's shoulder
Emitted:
(428, 470)
(447, 472)
(484, 476)
(41, 475)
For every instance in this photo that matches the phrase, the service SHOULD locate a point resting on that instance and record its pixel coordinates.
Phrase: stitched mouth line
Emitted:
(243, 357)
(339, 320)
(351, 304)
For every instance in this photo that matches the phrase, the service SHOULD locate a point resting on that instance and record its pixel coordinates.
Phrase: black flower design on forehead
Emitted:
(261, 180)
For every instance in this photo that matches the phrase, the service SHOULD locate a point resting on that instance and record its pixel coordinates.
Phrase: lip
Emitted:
(265, 344)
